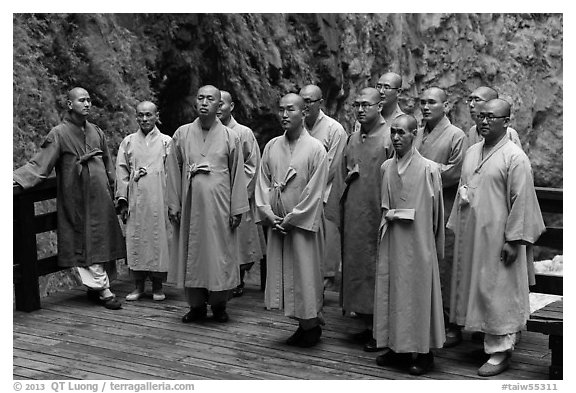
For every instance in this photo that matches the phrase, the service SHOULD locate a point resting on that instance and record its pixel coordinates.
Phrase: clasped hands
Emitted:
(278, 224)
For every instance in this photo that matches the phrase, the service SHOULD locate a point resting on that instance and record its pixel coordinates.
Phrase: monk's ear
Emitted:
(506, 122)
(69, 104)
(414, 132)
(231, 106)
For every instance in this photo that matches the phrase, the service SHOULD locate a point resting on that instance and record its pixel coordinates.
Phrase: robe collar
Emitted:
(404, 162)
(68, 118)
(498, 146)
(377, 125)
(320, 117)
(155, 131)
(232, 123)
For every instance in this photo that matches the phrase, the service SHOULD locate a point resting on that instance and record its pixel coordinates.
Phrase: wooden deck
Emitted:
(70, 338)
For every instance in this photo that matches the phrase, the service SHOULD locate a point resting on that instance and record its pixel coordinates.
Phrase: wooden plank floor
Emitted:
(70, 338)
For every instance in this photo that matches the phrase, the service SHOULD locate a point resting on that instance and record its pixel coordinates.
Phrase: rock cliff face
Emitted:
(124, 58)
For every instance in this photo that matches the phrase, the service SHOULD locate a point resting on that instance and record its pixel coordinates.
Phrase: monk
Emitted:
(248, 233)
(360, 202)
(442, 142)
(89, 234)
(408, 316)
(496, 219)
(333, 137)
(390, 87)
(476, 101)
(206, 199)
(141, 197)
(289, 198)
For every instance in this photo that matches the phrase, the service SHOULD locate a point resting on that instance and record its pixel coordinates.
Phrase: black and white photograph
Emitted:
(240, 197)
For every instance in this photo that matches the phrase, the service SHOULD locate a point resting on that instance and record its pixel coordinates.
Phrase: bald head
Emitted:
(478, 98)
(294, 99)
(408, 122)
(311, 91)
(75, 92)
(146, 106)
(212, 90)
(371, 93)
(498, 107)
(226, 107)
(437, 93)
(391, 79)
(226, 96)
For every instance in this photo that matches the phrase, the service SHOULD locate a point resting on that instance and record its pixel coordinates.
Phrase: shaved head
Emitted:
(438, 93)
(498, 107)
(371, 93)
(75, 92)
(408, 122)
(226, 96)
(392, 79)
(146, 106)
(313, 91)
(485, 92)
(294, 99)
(209, 89)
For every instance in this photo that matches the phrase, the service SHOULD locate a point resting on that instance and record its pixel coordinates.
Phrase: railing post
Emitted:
(27, 291)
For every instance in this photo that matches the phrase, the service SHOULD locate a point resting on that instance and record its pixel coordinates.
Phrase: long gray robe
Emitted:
(207, 186)
(88, 228)
(408, 314)
(496, 202)
(360, 214)
(292, 185)
(147, 228)
(248, 236)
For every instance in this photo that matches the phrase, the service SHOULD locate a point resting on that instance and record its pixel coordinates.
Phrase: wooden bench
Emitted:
(549, 319)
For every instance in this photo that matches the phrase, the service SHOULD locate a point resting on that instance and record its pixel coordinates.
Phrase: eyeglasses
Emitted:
(482, 116)
(308, 101)
(386, 87)
(475, 100)
(364, 105)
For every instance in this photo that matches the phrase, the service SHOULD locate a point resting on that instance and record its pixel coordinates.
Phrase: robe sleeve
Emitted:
(174, 174)
(307, 212)
(438, 207)
(108, 163)
(262, 189)
(335, 152)
(41, 165)
(451, 170)
(332, 208)
(251, 153)
(238, 191)
(524, 221)
(514, 137)
(123, 170)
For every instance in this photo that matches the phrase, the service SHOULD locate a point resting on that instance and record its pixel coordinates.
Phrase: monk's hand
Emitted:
(123, 210)
(277, 225)
(509, 253)
(174, 217)
(286, 227)
(235, 221)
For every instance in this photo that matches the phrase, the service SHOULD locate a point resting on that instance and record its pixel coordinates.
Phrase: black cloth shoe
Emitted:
(295, 338)
(195, 314)
(112, 303)
(422, 364)
(453, 338)
(310, 337)
(371, 346)
(219, 314)
(238, 291)
(363, 337)
(394, 359)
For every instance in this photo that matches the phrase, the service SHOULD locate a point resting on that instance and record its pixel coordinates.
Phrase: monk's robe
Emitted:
(360, 214)
(147, 229)
(446, 145)
(474, 137)
(333, 137)
(408, 315)
(206, 184)
(248, 239)
(291, 185)
(88, 228)
(496, 202)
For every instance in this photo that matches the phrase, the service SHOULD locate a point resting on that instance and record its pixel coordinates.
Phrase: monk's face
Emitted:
(207, 101)
(432, 106)
(312, 100)
(493, 121)
(80, 103)
(476, 101)
(146, 116)
(367, 106)
(225, 110)
(402, 137)
(389, 88)
(291, 113)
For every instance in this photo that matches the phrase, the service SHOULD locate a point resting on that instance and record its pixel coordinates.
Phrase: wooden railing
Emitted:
(26, 224)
